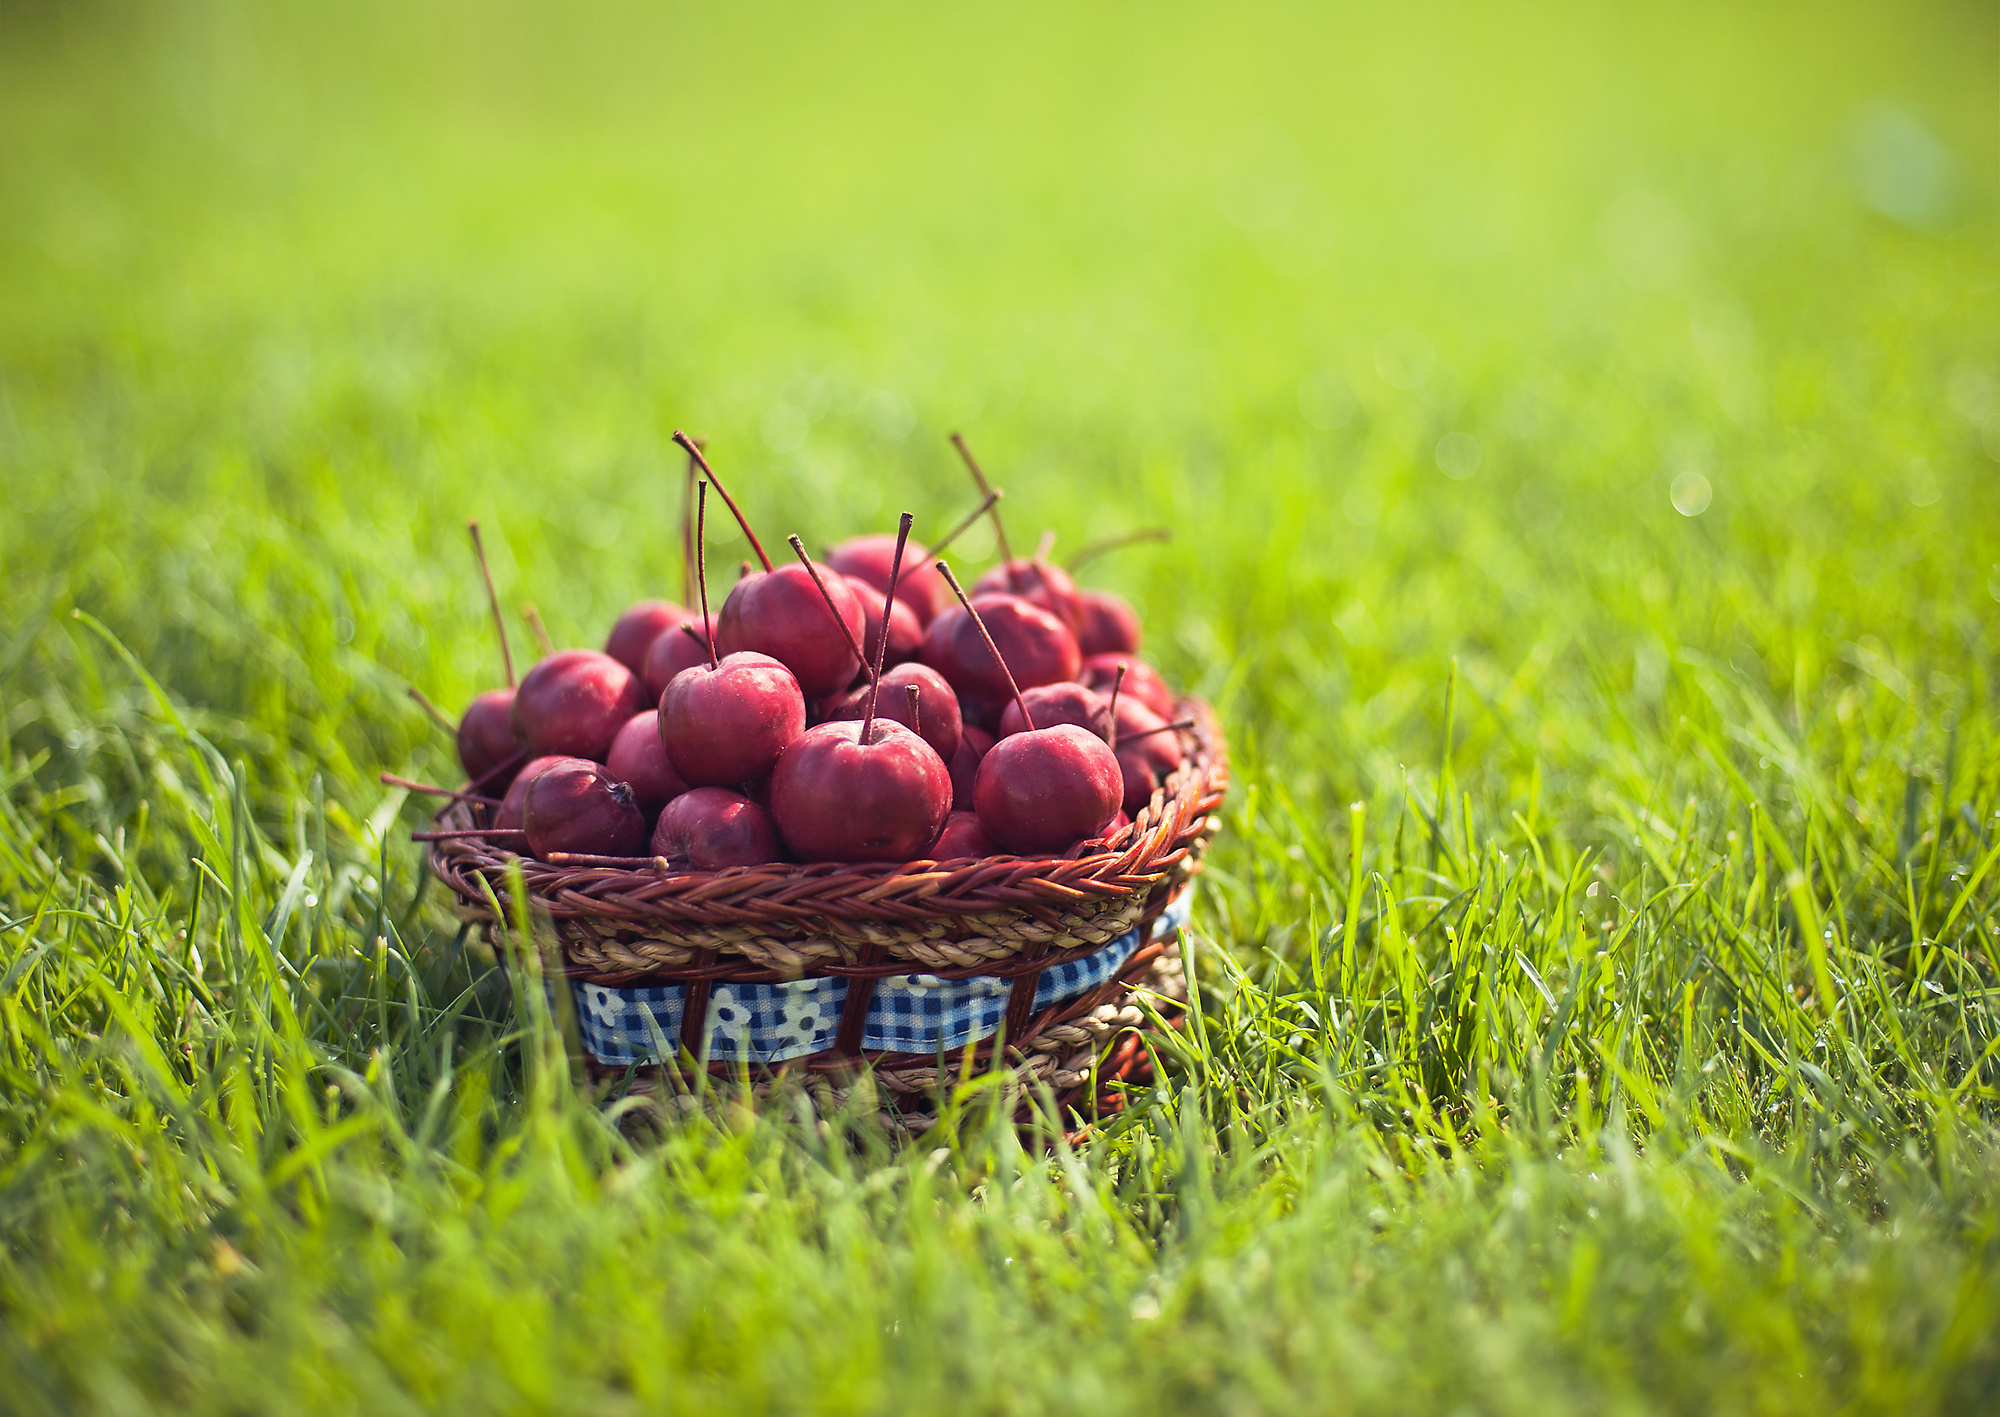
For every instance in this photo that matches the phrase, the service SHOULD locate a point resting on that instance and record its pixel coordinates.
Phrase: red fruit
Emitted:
(1056, 703)
(906, 632)
(1039, 582)
(574, 702)
(782, 614)
(868, 558)
(836, 798)
(486, 734)
(682, 647)
(1160, 751)
(579, 806)
(727, 723)
(513, 807)
(710, 829)
(639, 759)
(1039, 791)
(973, 744)
(938, 722)
(1038, 648)
(962, 836)
(1142, 681)
(1109, 624)
(1137, 780)
(638, 627)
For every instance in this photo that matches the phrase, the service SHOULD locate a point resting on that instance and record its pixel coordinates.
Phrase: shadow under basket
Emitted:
(916, 970)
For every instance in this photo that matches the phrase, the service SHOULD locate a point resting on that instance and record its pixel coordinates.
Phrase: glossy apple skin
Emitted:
(580, 807)
(639, 759)
(724, 725)
(712, 829)
(514, 806)
(486, 734)
(1050, 704)
(1142, 681)
(906, 632)
(1137, 781)
(677, 649)
(574, 702)
(1037, 646)
(781, 613)
(1040, 582)
(938, 722)
(836, 798)
(868, 558)
(962, 836)
(638, 627)
(1036, 793)
(1109, 624)
(973, 744)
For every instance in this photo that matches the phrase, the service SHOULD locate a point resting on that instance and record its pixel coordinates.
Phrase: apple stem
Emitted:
(429, 791)
(799, 550)
(492, 600)
(1092, 550)
(1045, 545)
(987, 635)
(1112, 712)
(999, 530)
(687, 529)
(534, 619)
(694, 451)
(701, 568)
(888, 604)
(965, 522)
(1173, 727)
(916, 694)
(437, 714)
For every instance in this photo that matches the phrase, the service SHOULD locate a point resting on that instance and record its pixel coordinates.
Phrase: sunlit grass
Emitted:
(1579, 437)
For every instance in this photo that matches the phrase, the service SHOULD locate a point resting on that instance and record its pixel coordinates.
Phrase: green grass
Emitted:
(1598, 1002)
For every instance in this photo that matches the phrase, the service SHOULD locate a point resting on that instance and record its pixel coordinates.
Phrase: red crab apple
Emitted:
(962, 836)
(862, 791)
(726, 723)
(937, 719)
(1034, 648)
(711, 829)
(906, 631)
(1142, 681)
(574, 702)
(1145, 733)
(486, 733)
(973, 744)
(1042, 788)
(639, 759)
(578, 806)
(867, 558)
(638, 627)
(1109, 624)
(513, 807)
(1056, 703)
(781, 613)
(1040, 583)
(682, 647)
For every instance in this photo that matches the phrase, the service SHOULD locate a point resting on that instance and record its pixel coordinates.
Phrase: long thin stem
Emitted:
(799, 549)
(437, 714)
(492, 599)
(701, 569)
(916, 693)
(411, 785)
(694, 451)
(1173, 727)
(1112, 712)
(687, 529)
(987, 635)
(882, 641)
(999, 530)
(965, 522)
(1090, 551)
(534, 619)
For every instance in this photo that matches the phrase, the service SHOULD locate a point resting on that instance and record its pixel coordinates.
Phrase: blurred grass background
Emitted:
(1628, 380)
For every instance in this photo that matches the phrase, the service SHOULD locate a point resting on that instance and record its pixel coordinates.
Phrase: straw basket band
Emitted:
(619, 921)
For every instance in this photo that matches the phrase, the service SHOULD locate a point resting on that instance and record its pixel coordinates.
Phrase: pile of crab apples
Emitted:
(863, 708)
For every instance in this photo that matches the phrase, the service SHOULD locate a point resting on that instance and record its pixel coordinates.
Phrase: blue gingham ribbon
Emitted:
(768, 1023)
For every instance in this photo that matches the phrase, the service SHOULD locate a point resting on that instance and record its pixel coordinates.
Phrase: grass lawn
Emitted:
(1579, 429)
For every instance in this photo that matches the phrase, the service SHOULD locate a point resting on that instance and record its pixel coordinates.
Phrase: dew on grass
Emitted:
(1691, 494)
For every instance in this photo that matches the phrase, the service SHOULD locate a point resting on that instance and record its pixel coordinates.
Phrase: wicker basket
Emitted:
(640, 924)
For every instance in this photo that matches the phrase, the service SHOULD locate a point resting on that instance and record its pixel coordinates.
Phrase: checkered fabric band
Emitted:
(768, 1023)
